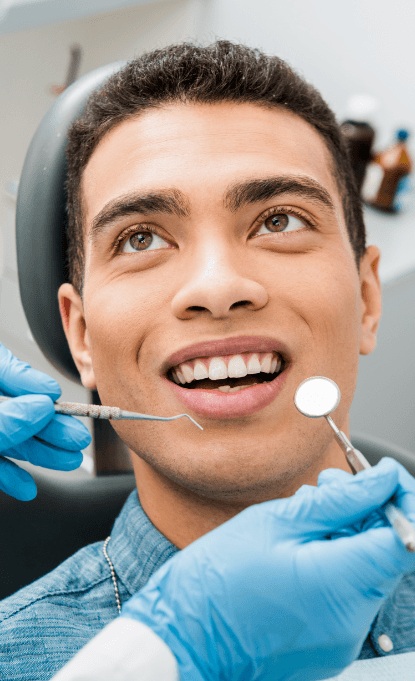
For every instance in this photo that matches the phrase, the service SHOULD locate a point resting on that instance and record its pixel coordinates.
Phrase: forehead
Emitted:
(203, 147)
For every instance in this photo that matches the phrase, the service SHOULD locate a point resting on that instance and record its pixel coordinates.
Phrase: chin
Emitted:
(233, 475)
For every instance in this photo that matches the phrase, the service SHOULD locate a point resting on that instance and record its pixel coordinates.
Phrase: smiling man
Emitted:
(215, 270)
(217, 259)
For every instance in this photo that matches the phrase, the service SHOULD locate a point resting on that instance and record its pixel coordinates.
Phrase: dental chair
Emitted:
(67, 514)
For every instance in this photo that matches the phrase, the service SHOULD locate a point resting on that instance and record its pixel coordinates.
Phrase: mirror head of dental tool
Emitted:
(317, 396)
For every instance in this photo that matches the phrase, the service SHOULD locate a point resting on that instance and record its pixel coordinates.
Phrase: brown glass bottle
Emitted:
(387, 176)
(359, 138)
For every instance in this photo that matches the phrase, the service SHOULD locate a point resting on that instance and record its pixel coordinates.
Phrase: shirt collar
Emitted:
(136, 548)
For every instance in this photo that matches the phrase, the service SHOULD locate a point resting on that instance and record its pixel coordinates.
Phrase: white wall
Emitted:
(34, 60)
(343, 48)
(19, 15)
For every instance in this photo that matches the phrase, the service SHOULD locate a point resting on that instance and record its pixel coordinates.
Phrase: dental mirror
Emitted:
(317, 396)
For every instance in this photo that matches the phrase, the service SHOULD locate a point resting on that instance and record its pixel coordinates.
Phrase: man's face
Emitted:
(216, 231)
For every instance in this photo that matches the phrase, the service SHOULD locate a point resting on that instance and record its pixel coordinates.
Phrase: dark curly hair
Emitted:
(220, 72)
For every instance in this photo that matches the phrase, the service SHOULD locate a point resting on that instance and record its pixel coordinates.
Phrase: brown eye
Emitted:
(281, 222)
(277, 223)
(144, 241)
(141, 240)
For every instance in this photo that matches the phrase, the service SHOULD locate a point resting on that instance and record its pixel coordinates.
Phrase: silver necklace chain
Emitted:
(114, 579)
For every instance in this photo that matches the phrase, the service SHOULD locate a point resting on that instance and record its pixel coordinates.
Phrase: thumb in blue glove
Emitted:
(270, 596)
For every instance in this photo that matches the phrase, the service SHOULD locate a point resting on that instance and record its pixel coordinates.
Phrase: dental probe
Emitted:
(319, 396)
(97, 411)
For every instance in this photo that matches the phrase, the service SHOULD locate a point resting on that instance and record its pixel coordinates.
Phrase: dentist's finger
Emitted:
(66, 432)
(333, 506)
(331, 475)
(47, 456)
(22, 417)
(405, 494)
(16, 482)
(18, 378)
(372, 558)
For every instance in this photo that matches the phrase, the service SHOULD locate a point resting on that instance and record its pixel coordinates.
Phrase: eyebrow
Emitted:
(254, 191)
(171, 201)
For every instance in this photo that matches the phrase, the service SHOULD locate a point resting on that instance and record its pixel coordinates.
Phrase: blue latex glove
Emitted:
(270, 596)
(30, 414)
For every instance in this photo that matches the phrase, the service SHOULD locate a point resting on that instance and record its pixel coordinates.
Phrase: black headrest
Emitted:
(40, 220)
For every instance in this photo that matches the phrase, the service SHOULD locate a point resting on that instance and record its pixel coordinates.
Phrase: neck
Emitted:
(183, 516)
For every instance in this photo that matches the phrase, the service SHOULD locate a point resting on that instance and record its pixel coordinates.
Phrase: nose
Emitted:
(216, 286)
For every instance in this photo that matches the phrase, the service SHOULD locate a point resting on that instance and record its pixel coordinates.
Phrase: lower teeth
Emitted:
(228, 389)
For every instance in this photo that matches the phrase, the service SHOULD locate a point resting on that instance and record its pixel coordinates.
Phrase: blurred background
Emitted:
(358, 54)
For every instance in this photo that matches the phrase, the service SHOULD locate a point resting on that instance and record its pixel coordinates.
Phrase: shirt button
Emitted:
(385, 643)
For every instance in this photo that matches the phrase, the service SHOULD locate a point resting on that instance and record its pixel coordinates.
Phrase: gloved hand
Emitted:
(270, 596)
(30, 414)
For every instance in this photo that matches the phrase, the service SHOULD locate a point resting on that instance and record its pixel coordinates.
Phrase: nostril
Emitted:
(196, 308)
(240, 303)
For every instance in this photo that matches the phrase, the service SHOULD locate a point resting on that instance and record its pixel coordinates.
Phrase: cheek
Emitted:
(336, 327)
(116, 323)
(333, 288)
(326, 297)
(120, 317)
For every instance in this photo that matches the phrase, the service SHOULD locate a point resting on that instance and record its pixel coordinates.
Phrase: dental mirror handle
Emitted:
(398, 520)
(355, 458)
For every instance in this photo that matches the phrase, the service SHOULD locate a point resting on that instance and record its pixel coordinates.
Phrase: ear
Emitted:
(73, 321)
(371, 295)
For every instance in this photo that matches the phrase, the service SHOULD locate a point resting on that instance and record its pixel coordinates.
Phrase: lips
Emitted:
(216, 404)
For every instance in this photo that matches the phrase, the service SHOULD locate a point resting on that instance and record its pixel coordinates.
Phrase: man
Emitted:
(217, 259)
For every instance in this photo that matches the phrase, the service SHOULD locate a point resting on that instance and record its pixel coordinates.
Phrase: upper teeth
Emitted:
(231, 366)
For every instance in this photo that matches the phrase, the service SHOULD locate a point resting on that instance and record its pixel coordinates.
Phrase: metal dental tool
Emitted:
(318, 396)
(97, 411)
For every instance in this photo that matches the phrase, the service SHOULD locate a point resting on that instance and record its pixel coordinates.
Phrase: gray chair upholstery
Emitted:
(36, 536)
(41, 244)
(66, 515)
(41, 220)
(375, 449)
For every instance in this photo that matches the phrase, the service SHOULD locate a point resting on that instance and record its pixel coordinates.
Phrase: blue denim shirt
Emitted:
(44, 624)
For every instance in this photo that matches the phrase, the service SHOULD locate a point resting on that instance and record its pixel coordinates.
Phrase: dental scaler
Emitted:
(97, 411)
(318, 396)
